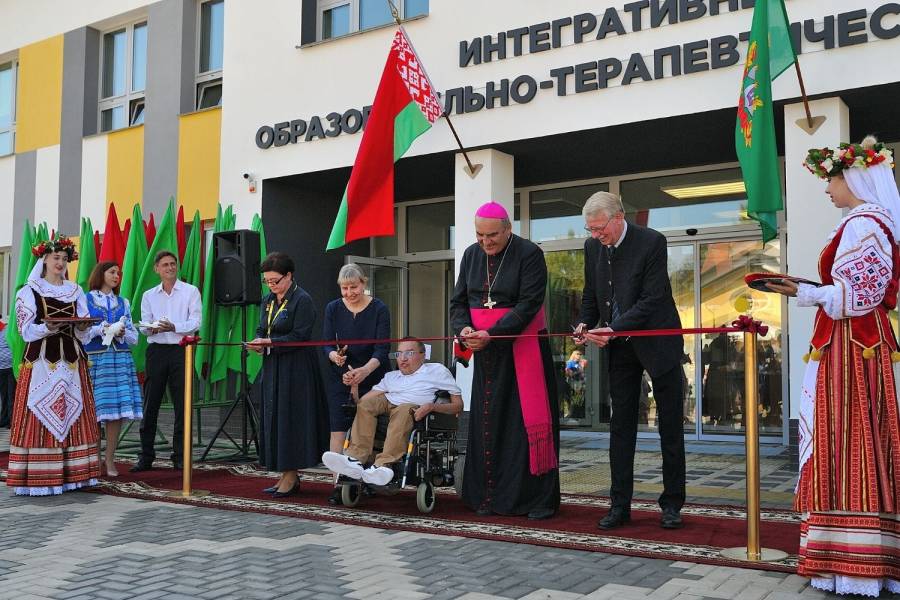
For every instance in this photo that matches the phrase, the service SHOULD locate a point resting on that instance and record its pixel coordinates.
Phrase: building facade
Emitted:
(553, 100)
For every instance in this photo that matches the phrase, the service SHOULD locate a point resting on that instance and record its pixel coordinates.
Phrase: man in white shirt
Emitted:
(173, 309)
(407, 395)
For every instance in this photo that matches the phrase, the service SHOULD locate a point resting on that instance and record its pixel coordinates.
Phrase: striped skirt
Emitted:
(849, 488)
(39, 465)
(117, 394)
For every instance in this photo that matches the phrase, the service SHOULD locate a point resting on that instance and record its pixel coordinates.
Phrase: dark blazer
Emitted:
(639, 275)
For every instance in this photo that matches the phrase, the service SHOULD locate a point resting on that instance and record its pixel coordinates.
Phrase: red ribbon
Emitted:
(189, 340)
(746, 324)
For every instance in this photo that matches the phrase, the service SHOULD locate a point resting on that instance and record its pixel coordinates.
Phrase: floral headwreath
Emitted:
(825, 162)
(57, 244)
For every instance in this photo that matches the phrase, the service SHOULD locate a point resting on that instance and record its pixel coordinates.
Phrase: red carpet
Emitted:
(707, 529)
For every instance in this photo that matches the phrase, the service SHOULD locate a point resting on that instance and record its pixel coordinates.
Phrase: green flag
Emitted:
(769, 53)
(191, 267)
(87, 254)
(208, 320)
(135, 256)
(166, 239)
(26, 264)
(226, 319)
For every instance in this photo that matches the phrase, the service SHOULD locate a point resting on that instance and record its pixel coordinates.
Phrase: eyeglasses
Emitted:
(593, 230)
(405, 354)
(274, 283)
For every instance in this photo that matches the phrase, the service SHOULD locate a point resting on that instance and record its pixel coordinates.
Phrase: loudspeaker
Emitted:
(236, 267)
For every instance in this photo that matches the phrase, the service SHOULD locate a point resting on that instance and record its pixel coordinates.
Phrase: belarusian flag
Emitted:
(405, 106)
(769, 53)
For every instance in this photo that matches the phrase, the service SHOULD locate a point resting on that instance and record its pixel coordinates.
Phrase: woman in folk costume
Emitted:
(117, 394)
(848, 493)
(53, 439)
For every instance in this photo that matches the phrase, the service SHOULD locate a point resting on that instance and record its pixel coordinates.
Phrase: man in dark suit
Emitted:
(626, 288)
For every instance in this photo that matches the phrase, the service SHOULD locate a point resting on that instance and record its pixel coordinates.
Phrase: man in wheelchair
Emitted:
(407, 395)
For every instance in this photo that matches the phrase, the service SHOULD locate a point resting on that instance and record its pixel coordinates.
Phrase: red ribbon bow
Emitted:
(747, 324)
(189, 340)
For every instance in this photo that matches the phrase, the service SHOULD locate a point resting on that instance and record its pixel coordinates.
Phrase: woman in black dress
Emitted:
(352, 370)
(293, 418)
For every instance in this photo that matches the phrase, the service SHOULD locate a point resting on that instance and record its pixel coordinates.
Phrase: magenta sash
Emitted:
(532, 386)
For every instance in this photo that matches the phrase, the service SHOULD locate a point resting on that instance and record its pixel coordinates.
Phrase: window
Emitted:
(556, 214)
(340, 17)
(209, 64)
(123, 77)
(7, 107)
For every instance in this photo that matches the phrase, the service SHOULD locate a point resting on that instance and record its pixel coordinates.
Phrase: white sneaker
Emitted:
(343, 465)
(378, 475)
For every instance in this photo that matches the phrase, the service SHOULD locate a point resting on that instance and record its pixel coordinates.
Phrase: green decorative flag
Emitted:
(191, 265)
(165, 239)
(135, 257)
(769, 53)
(406, 105)
(26, 264)
(87, 254)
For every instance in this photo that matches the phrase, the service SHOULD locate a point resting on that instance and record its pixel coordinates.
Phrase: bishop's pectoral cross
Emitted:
(490, 303)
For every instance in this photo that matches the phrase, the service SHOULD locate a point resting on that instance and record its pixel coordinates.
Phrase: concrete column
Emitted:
(810, 217)
(494, 182)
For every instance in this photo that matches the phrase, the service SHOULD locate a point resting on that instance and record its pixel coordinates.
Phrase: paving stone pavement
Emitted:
(87, 546)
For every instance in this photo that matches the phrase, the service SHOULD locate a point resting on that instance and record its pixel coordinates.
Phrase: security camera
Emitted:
(251, 181)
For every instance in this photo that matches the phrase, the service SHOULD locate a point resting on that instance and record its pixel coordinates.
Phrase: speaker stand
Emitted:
(248, 411)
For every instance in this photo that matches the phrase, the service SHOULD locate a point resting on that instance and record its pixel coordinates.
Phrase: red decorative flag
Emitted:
(96, 242)
(150, 231)
(405, 106)
(126, 230)
(113, 247)
(179, 234)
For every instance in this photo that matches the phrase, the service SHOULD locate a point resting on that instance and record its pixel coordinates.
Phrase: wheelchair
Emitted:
(429, 462)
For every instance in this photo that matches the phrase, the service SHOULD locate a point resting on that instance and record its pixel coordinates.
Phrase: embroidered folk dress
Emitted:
(117, 394)
(849, 485)
(53, 438)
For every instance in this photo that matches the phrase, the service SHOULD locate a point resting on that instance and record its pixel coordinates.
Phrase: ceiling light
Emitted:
(728, 188)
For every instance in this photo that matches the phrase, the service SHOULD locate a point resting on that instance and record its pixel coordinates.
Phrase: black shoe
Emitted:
(142, 466)
(335, 497)
(671, 519)
(484, 512)
(271, 489)
(291, 492)
(177, 464)
(539, 514)
(614, 518)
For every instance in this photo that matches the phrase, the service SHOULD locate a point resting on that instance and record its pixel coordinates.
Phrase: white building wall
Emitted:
(268, 80)
(46, 188)
(93, 180)
(7, 190)
(27, 21)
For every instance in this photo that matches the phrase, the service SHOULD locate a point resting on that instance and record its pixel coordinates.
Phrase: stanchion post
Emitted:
(187, 439)
(753, 552)
(188, 450)
(751, 431)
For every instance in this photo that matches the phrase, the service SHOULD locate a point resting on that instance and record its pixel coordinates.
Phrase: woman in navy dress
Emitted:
(293, 416)
(354, 369)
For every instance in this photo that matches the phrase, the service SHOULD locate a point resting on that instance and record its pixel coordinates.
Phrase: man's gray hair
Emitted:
(350, 273)
(602, 202)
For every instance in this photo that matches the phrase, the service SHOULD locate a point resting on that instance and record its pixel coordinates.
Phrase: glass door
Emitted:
(388, 281)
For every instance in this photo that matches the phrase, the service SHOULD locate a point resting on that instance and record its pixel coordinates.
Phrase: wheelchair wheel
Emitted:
(425, 499)
(350, 494)
(458, 469)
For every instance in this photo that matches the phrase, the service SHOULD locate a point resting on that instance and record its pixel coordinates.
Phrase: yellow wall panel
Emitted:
(199, 136)
(39, 95)
(125, 170)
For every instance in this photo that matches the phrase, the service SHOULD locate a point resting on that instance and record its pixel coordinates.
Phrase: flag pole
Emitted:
(472, 168)
(812, 123)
